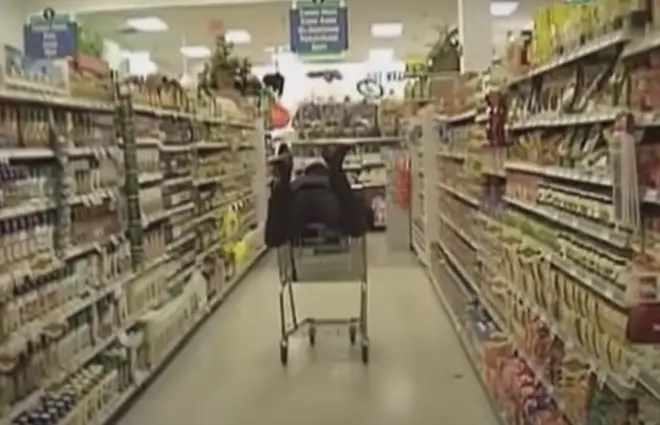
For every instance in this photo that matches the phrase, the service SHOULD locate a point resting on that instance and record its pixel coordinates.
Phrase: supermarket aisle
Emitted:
(230, 372)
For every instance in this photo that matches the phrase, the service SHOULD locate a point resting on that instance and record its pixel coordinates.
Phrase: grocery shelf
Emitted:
(539, 227)
(561, 173)
(575, 53)
(458, 231)
(459, 195)
(26, 153)
(642, 44)
(102, 236)
(502, 324)
(564, 119)
(107, 415)
(610, 235)
(348, 140)
(596, 283)
(466, 344)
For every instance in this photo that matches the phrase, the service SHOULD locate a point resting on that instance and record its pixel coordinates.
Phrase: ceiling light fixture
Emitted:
(238, 36)
(196, 52)
(387, 30)
(277, 49)
(137, 55)
(503, 8)
(150, 24)
(381, 55)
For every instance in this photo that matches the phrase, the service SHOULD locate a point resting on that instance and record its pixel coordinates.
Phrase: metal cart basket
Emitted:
(322, 257)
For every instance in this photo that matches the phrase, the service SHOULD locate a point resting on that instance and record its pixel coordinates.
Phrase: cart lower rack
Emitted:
(323, 258)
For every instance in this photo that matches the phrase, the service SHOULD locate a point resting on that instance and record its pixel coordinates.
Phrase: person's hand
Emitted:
(282, 165)
(334, 154)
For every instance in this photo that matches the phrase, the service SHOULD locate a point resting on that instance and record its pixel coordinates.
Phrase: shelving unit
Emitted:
(124, 226)
(528, 244)
(418, 215)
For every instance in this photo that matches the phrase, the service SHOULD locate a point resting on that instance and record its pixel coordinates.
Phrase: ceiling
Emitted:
(267, 24)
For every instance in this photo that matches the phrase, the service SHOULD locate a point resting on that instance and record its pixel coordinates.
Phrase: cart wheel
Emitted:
(312, 336)
(284, 353)
(365, 353)
(352, 334)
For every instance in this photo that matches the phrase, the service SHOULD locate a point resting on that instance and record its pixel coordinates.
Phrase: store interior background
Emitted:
(261, 34)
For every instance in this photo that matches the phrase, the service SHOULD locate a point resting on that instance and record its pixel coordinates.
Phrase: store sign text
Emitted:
(55, 37)
(318, 29)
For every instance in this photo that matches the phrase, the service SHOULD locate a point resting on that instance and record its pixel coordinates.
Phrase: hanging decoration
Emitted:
(370, 89)
(278, 116)
(445, 54)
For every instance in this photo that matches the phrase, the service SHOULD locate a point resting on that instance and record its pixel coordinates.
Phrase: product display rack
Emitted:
(123, 227)
(543, 243)
(372, 127)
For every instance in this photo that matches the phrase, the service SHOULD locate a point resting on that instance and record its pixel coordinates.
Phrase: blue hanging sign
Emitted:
(318, 28)
(50, 36)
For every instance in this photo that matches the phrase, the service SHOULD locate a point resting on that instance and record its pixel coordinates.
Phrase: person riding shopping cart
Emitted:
(322, 195)
(317, 224)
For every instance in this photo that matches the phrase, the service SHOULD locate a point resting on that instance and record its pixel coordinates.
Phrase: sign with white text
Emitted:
(50, 36)
(318, 28)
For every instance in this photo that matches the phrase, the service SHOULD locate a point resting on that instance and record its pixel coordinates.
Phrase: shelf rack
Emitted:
(525, 247)
(106, 267)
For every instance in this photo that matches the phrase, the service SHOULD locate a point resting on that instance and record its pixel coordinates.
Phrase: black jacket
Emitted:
(320, 196)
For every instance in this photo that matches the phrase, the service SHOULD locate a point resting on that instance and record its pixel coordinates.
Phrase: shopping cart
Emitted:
(322, 256)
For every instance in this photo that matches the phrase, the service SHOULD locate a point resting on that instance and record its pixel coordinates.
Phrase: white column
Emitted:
(475, 26)
(12, 19)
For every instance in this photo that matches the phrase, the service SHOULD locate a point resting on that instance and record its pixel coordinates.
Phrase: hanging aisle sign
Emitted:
(318, 28)
(50, 36)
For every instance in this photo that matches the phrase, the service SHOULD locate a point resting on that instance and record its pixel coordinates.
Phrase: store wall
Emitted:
(299, 87)
(81, 6)
(12, 17)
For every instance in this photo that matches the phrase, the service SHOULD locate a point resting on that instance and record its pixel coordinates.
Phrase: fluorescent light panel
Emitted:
(137, 55)
(387, 30)
(277, 49)
(503, 8)
(238, 36)
(196, 52)
(381, 55)
(149, 24)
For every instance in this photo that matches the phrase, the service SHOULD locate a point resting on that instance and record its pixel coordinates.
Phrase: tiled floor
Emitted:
(230, 374)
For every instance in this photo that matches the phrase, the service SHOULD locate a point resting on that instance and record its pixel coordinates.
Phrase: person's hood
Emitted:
(310, 181)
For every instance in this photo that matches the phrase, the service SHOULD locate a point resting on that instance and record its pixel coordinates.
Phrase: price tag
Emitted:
(609, 293)
(118, 291)
(416, 67)
(633, 373)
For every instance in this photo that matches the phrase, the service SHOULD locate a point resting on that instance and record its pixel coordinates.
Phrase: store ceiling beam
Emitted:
(89, 6)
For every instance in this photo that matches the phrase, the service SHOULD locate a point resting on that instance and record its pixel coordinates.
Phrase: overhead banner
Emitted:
(50, 36)
(318, 28)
